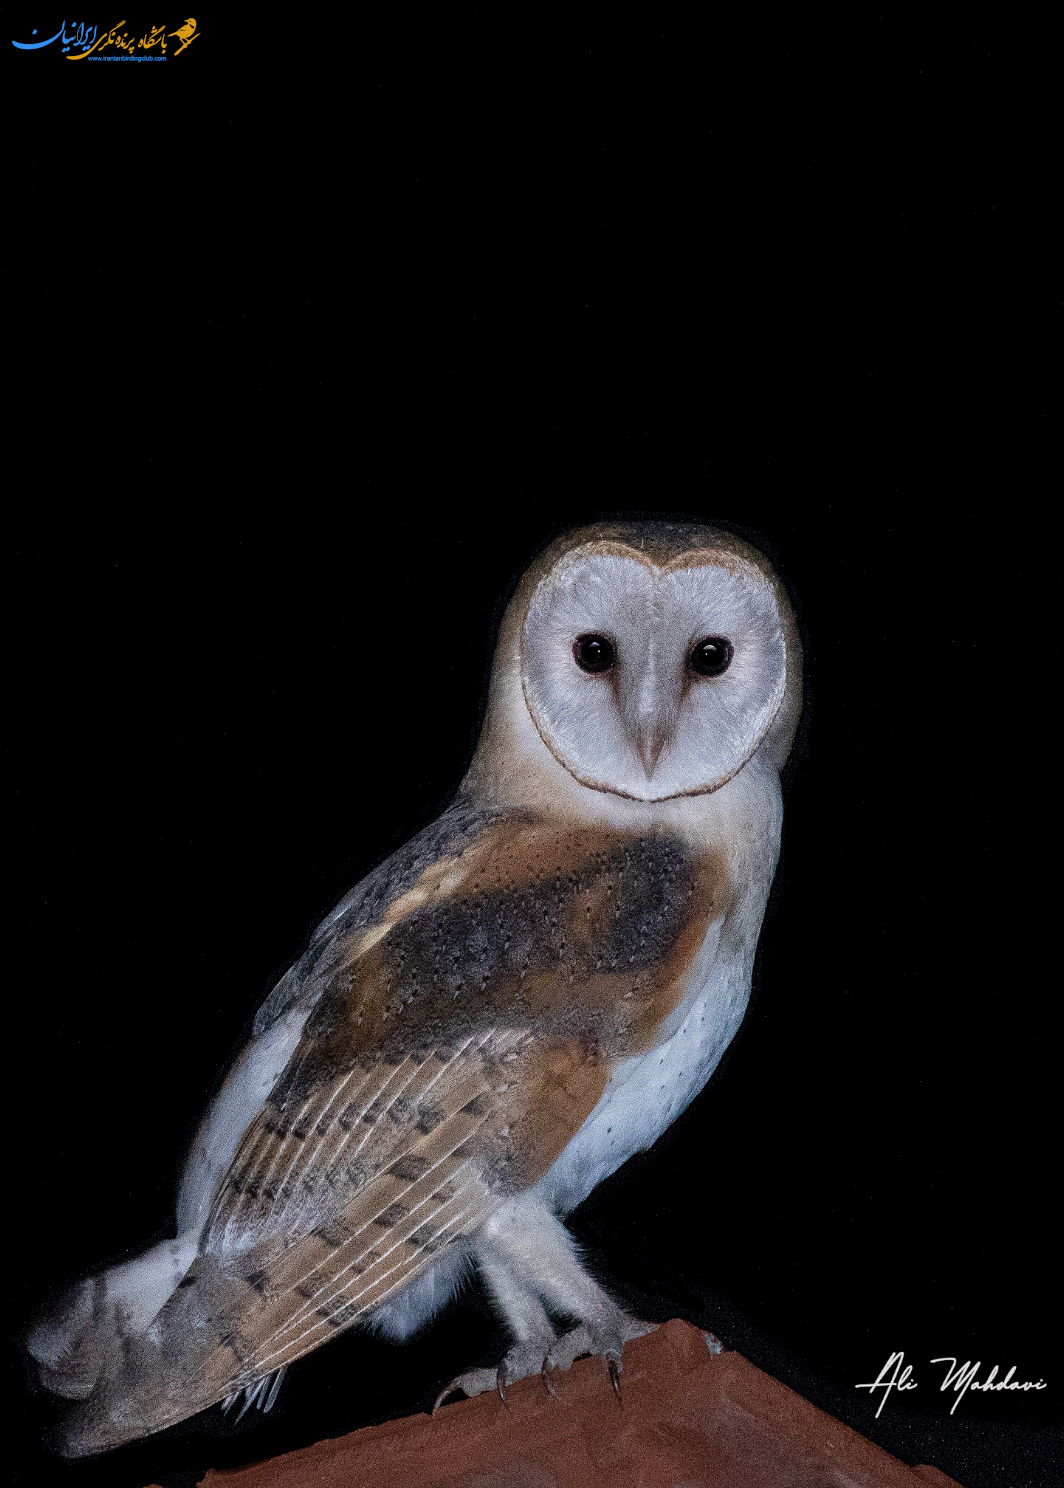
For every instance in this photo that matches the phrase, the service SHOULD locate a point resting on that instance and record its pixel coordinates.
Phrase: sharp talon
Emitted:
(544, 1374)
(500, 1381)
(442, 1396)
(613, 1365)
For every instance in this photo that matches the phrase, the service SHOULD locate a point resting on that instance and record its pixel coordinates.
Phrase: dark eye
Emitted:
(712, 656)
(593, 653)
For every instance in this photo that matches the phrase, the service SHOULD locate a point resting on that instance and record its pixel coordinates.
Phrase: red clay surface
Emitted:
(690, 1419)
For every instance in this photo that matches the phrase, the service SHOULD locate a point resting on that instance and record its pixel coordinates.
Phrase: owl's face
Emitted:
(653, 682)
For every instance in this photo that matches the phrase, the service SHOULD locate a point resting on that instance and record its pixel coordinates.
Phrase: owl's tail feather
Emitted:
(80, 1328)
(192, 1355)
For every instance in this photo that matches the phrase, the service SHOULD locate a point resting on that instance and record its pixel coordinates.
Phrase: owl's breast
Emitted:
(647, 1092)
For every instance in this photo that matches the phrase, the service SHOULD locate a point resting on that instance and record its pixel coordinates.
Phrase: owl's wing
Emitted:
(336, 1203)
(461, 1036)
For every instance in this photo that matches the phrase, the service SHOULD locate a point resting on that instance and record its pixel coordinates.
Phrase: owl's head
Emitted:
(653, 659)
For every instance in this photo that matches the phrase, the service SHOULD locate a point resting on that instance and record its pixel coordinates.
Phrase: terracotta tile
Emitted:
(689, 1418)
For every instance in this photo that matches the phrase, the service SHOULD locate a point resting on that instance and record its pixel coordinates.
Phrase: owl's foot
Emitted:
(607, 1340)
(519, 1362)
(528, 1258)
(523, 1360)
(528, 1358)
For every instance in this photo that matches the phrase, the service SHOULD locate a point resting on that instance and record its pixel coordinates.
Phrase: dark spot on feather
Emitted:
(430, 1120)
(338, 1312)
(333, 1234)
(590, 1048)
(410, 1167)
(478, 1106)
(391, 1216)
(237, 1345)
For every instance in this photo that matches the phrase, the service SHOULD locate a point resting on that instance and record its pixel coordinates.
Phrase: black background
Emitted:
(316, 338)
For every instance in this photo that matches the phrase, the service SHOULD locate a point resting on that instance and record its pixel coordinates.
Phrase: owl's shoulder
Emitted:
(476, 875)
(367, 905)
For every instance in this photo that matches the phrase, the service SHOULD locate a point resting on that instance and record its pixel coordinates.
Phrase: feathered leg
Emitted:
(528, 1255)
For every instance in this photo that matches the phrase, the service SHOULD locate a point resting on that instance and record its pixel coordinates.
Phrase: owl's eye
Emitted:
(712, 656)
(593, 653)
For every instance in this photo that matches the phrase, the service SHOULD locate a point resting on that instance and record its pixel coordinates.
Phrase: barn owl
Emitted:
(490, 1023)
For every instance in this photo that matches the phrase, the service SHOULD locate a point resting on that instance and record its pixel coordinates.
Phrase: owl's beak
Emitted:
(650, 740)
(651, 714)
